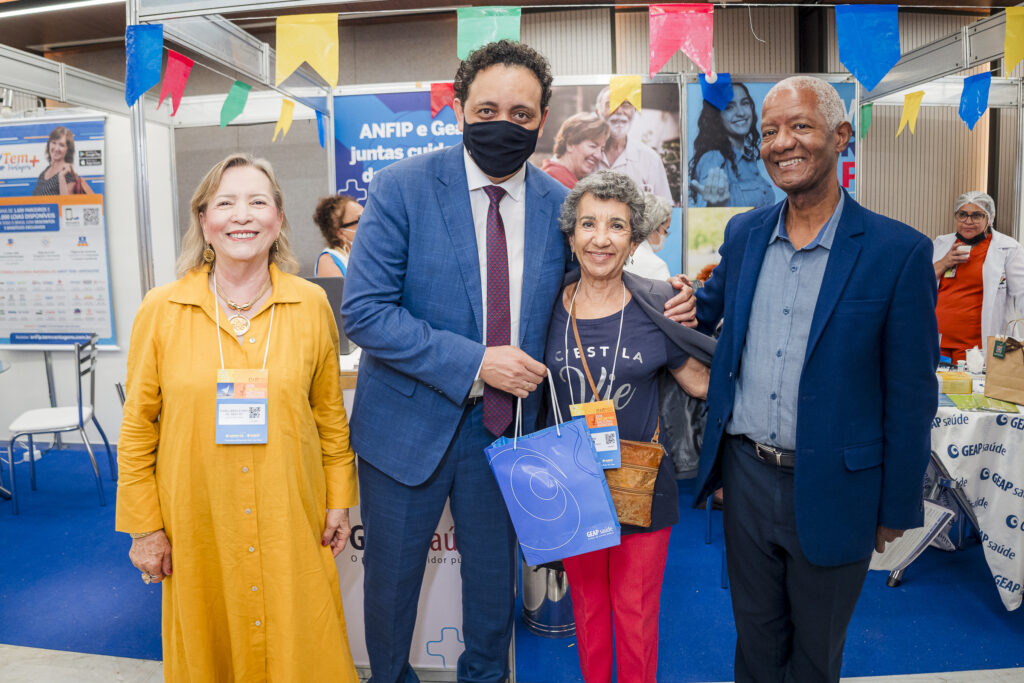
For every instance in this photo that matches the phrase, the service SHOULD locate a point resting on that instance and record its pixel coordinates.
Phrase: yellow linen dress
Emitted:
(253, 596)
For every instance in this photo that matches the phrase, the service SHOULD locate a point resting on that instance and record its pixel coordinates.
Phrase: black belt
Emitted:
(473, 400)
(770, 455)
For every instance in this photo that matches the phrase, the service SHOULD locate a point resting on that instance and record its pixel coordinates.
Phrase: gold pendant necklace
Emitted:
(239, 323)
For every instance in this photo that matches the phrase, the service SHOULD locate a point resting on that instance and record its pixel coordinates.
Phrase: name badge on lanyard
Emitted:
(242, 393)
(604, 431)
(242, 406)
(601, 421)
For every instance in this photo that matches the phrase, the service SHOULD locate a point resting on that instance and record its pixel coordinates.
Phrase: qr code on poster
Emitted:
(91, 215)
(255, 412)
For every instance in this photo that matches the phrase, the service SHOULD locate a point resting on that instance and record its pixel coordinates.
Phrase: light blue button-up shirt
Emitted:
(768, 384)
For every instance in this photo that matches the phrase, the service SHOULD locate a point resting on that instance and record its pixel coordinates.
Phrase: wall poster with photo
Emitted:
(580, 136)
(54, 274)
(724, 172)
(373, 130)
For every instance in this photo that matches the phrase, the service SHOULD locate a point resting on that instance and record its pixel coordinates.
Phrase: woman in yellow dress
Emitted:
(236, 470)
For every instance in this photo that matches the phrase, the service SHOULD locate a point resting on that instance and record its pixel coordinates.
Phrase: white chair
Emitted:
(63, 419)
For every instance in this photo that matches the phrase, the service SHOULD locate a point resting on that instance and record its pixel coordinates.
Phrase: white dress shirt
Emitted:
(643, 165)
(513, 216)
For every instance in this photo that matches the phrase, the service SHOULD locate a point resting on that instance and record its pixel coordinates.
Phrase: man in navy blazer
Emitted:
(822, 393)
(450, 329)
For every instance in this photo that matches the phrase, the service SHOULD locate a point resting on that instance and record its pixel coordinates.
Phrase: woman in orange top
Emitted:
(981, 277)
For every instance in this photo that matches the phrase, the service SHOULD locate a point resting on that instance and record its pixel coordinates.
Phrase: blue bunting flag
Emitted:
(869, 40)
(719, 93)
(974, 99)
(143, 48)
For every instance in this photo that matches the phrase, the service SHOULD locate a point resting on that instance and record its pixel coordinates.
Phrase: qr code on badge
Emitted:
(255, 412)
(91, 215)
(609, 438)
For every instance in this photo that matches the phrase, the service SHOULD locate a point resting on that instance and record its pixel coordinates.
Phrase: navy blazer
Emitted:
(413, 303)
(868, 390)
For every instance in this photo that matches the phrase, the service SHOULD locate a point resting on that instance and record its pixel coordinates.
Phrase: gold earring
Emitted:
(208, 254)
(276, 245)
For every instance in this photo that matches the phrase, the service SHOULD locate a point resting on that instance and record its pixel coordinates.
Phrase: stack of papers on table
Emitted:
(981, 402)
(350, 362)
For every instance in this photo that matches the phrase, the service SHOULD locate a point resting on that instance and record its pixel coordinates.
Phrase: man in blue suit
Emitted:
(452, 280)
(822, 393)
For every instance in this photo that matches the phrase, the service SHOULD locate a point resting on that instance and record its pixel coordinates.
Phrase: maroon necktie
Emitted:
(497, 403)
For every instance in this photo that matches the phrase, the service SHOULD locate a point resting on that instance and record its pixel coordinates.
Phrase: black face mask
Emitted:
(980, 237)
(499, 148)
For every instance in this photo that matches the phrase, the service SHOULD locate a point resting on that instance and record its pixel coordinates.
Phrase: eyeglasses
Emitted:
(975, 217)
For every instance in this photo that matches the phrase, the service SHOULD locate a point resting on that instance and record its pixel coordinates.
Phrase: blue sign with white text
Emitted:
(374, 131)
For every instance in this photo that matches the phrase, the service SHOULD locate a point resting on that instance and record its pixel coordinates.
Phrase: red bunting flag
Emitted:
(681, 27)
(175, 77)
(441, 95)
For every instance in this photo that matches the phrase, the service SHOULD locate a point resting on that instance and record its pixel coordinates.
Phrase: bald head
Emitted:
(830, 105)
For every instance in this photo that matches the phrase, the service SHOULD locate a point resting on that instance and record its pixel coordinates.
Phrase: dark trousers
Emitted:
(791, 616)
(399, 522)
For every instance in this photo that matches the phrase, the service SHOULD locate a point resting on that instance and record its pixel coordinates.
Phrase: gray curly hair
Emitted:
(657, 210)
(606, 185)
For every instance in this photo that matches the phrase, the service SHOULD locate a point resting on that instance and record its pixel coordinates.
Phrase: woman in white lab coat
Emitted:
(981, 277)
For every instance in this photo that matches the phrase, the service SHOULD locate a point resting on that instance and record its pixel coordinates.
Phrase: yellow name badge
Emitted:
(242, 406)
(604, 430)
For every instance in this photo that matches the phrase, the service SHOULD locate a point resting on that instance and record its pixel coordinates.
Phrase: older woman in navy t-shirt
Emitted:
(627, 343)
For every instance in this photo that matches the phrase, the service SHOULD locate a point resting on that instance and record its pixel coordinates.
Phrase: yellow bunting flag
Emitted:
(311, 38)
(1014, 38)
(623, 89)
(284, 121)
(911, 107)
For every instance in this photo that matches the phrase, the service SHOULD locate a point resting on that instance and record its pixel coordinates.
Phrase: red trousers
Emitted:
(620, 586)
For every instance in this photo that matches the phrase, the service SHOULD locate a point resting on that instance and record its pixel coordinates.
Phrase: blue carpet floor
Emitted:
(946, 616)
(66, 584)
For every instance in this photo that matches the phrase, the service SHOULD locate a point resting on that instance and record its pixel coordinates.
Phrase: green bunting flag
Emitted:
(235, 102)
(865, 119)
(481, 25)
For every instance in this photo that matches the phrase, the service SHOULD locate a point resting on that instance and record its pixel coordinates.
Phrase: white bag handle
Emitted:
(554, 404)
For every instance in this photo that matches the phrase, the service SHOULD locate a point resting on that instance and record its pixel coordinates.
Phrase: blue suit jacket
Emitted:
(868, 390)
(413, 303)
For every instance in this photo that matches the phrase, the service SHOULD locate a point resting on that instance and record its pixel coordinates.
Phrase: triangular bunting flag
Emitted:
(865, 118)
(175, 77)
(320, 127)
(143, 51)
(911, 108)
(441, 95)
(623, 89)
(310, 38)
(869, 40)
(719, 93)
(235, 102)
(1014, 41)
(974, 99)
(284, 121)
(481, 25)
(681, 27)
